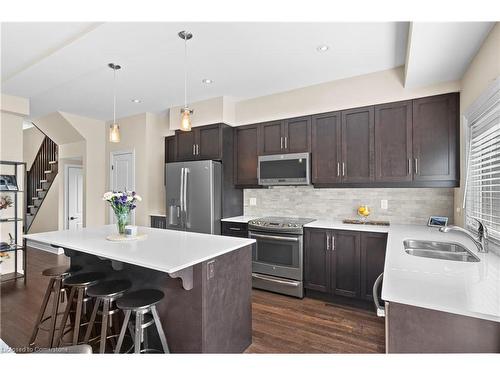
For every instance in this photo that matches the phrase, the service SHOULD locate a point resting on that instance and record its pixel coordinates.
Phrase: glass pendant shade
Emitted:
(114, 133)
(186, 119)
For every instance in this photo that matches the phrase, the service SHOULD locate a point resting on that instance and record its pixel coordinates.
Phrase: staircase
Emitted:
(42, 173)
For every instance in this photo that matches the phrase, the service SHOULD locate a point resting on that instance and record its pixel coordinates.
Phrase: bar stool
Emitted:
(58, 293)
(141, 302)
(78, 285)
(106, 292)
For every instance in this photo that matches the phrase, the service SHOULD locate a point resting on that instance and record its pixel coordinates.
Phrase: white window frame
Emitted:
(475, 110)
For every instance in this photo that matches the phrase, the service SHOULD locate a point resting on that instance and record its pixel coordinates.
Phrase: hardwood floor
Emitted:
(280, 324)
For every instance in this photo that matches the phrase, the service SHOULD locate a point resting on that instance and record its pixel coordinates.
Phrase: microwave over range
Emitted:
(284, 169)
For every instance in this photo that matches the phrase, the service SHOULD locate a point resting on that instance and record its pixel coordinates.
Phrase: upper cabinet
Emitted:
(246, 153)
(201, 143)
(435, 138)
(357, 145)
(288, 136)
(411, 143)
(170, 150)
(393, 142)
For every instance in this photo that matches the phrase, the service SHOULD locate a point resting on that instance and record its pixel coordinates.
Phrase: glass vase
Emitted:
(121, 221)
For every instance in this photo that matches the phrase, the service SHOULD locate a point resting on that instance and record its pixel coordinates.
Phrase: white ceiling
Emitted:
(442, 51)
(63, 66)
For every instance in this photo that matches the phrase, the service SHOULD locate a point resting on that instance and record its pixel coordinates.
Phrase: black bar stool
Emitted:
(141, 302)
(106, 292)
(58, 293)
(78, 285)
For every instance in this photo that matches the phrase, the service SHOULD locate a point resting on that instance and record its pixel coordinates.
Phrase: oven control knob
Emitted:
(296, 225)
(289, 224)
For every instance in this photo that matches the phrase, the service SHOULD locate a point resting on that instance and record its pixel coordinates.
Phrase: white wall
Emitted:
(484, 68)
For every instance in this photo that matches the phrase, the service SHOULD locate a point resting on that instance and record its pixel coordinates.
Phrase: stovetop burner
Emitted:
(280, 224)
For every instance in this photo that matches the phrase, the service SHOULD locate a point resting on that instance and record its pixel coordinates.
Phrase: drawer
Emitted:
(234, 229)
(159, 222)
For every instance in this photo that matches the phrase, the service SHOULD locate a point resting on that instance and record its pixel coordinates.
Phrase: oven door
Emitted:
(277, 255)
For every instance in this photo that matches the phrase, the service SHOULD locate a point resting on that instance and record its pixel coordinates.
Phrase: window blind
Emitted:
(483, 175)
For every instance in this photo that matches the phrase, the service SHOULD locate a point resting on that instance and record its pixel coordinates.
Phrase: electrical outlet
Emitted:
(253, 202)
(384, 204)
(211, 269)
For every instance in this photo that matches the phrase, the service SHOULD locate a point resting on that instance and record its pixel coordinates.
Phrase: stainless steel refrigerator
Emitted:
(194, 196)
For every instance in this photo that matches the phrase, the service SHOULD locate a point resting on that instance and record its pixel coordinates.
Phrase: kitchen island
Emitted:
(206, 280)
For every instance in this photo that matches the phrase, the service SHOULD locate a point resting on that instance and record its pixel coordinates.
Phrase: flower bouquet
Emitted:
(122, 203)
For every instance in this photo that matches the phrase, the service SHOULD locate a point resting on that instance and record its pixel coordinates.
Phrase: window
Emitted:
(482, 200)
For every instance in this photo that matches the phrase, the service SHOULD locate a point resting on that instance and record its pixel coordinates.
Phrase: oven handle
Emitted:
(291, 283)
(268, 237)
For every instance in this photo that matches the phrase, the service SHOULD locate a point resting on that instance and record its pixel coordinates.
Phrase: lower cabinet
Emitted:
(343, 263)
(158, 222)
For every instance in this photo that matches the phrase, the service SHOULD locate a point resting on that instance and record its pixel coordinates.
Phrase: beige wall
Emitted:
(144, 135)
(484, 68)
(93, 132)
(375, 88)
(210, 111)
(32, 139)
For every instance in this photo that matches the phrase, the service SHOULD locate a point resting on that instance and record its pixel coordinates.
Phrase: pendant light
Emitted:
(114, 128)
(185, 111)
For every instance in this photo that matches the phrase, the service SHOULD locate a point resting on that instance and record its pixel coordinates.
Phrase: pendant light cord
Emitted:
(114, 95)
(185, 68)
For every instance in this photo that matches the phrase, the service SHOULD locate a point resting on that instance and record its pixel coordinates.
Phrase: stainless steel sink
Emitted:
(439, 250)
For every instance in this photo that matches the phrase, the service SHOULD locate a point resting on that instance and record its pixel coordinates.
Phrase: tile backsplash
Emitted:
(405, 206)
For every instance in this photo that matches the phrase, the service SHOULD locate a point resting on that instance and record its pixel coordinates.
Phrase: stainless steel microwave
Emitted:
(284, 169)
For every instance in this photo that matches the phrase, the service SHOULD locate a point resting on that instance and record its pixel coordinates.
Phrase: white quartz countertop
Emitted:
(465, 288)
(240, 219)
(333, 224)
(162, 250)
(470, 289)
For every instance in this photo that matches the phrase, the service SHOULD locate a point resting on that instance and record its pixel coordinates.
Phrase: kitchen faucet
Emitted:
(482, 234)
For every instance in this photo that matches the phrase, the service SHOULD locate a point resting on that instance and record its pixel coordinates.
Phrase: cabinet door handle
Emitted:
(285, 142)
(338, 169)
(281, 142)
(332, 243)
(409, 167)
(343, 169)
(194, 149)
(327, 242)
(233, 228)
(416, 166)
(197, 149)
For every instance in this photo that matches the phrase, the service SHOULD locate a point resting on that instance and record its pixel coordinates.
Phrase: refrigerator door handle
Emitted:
(186, 171)
(181, 196)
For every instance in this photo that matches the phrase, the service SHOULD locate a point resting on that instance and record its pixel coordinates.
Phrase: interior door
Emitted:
(326, 144)
(74, 202)
(122, 176)
(357, 145)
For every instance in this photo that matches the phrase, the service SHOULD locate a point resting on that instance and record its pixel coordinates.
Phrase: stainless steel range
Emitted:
(277, 260)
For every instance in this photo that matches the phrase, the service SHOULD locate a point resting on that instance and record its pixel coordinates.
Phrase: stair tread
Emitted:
(43, 181)
(47, 172)
(52, 161)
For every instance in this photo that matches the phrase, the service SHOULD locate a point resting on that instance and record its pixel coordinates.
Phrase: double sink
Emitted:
(439, 250)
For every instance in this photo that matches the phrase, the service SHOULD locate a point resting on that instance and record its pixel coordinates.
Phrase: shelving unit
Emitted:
(19, 199)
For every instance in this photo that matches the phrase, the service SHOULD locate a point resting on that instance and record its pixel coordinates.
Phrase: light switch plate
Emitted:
(384, 204)
(253, 202)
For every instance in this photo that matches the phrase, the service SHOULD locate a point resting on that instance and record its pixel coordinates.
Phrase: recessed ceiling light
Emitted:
(322, 48)
(207, 81)
(136, 101)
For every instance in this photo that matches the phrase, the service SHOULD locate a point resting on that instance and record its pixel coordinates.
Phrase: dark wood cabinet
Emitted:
(209, 142)
(372, 254)
(246, 152)
(272, 138)
(201, 143)
(317, 261)
(297, 133)
(357, 164)
(186, 149)
(343, 263)
(170, 151)
(158, 221)
(393, 142)
(435, 138)
(326, 148)
(345, 273)
(234, 229)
